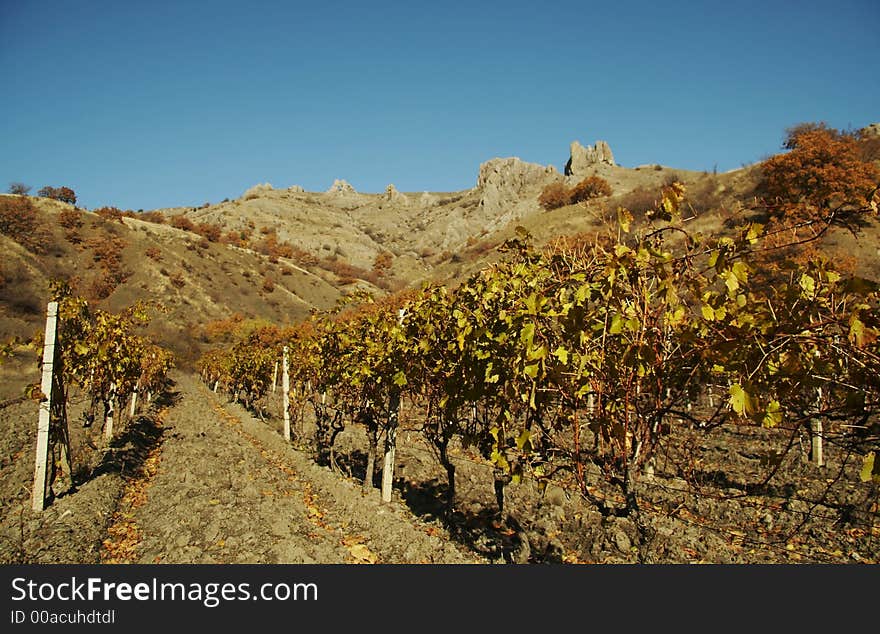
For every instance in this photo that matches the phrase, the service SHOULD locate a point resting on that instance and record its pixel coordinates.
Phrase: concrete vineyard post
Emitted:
(285, 393)
(134, 400)
(391, 435)
(817, 448)
(108, 420)
(38, 498)
(390, 448)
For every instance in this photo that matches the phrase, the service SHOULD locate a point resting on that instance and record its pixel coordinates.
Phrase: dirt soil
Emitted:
(196, 479)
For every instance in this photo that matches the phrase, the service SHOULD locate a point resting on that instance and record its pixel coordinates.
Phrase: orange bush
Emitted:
(823, 171)
(19, 221)
(182, 222)
(110, 213)
(209, 231)
(554, 195)
(382, 263)
(156, 217)
(589, 188)
(70, 219)
(557, 195)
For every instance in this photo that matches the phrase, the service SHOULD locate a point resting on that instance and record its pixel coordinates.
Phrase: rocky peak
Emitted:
(871, 131)
(340, 186)
(260, 189)
(392, 195)
(582, 159)
(503, 180)
(512, 174)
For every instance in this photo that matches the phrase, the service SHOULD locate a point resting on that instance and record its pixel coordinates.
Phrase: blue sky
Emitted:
(154, 104)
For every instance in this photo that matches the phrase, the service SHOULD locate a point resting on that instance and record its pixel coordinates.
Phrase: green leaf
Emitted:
(531, 370)
(731, 282)
(624, 219)
(708, 312)
(808, 284)
(870, 468)
(524, 439)
(755, 230)
(616, 325)
(857, 331)
(527, 334)
(740, 400)
(399, 378)
(561, 354)
(772, 415)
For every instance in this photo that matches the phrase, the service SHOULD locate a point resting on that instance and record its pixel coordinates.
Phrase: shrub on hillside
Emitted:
(639, 201)
(554, 195)
(589, 188)
(208, 231)
(557, 195)
(19, 221)
(71, 220)
(268, 283)
(182, 222)
(62, 194)
(110, 213)
(19, 189)
(382, 263)
(156, 217)
(823, 172)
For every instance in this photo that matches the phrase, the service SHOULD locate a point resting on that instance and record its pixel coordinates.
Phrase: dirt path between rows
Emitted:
(224, 488)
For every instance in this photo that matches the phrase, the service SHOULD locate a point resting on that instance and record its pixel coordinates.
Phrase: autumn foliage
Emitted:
(62, 194)
(19, 221)
(555, 195)
(558, 195)
(822, 175)
(182, 222)
(110, 213)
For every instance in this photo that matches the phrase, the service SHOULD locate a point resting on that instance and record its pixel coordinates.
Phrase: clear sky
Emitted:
(166, 103)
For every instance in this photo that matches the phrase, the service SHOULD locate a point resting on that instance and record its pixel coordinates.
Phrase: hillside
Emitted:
(339, 239)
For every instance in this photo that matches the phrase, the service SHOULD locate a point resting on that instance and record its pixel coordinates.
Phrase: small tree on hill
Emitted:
(19, 189)
(62, 194)
(823, 175)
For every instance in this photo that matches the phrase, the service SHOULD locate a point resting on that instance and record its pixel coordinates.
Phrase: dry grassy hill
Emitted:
(338, 236)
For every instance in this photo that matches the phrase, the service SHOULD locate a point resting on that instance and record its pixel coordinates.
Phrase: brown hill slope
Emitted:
(338, 236)
(196, 280)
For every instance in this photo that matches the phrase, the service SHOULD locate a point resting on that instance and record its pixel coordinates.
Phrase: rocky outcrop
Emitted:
(340, 186)
(503, 182)
(296, 189)
(394, 196)
(870, 131)
(257, 190)
(583, 159)
(512, 174)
